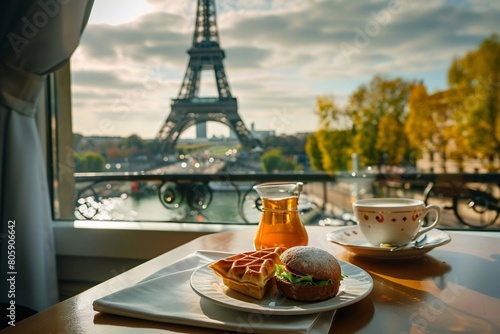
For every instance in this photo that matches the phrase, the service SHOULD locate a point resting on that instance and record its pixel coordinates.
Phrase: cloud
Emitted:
(89, 78)
(246, 57)
(280, 54)
(153, 37)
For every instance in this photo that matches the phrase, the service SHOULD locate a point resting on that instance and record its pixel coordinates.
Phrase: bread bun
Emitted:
(307, 293)
(309, 274)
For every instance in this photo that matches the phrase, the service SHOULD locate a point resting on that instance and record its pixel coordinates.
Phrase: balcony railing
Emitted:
(468, 200)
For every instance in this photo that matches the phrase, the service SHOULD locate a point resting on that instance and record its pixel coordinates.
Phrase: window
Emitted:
(311, 91)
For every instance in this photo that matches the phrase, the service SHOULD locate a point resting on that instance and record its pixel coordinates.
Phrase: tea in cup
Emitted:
(393, 221)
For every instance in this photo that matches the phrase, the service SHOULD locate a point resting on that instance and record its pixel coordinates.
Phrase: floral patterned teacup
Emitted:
(393, 221)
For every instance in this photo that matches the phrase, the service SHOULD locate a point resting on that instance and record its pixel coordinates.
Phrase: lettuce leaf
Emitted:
(285, 275)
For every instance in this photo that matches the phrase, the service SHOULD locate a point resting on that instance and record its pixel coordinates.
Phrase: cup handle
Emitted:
(437, 210)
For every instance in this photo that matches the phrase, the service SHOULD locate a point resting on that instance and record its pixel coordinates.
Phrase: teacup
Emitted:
(393, 221)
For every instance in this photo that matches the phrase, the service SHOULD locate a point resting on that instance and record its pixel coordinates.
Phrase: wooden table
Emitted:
(453, 288)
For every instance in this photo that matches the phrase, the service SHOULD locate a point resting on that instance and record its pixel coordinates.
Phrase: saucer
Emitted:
(353, 240)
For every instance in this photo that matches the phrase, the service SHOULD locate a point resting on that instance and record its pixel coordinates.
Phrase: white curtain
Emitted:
(36, 36)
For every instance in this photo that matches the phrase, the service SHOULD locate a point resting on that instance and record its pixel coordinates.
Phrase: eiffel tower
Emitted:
(188, 108)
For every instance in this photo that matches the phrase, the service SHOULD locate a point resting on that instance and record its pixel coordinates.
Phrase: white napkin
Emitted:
(166, 296)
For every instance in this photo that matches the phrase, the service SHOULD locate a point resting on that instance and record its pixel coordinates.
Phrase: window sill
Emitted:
(130, 240)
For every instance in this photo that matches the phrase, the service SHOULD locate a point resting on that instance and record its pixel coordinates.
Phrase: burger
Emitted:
(308, 274)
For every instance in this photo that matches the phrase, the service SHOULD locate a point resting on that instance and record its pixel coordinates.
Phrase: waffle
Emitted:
(249, 273)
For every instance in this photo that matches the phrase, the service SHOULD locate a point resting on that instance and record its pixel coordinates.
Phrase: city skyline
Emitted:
(280, 56)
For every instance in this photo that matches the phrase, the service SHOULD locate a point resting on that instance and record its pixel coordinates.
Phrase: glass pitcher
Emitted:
(280, 224)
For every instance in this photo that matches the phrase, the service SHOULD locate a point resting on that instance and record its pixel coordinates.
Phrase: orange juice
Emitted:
(280, 224)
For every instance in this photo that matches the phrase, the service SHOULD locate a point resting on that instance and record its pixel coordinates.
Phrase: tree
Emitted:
(329, 148)
(289, 144)
(273, 161)
(330, 115)
(313, 152)
(134, 145)
(89, 162)
(335, 147)
(114, 153)
(133, 141)
(367, 107)
(78, 161)
(391, 140)
(429, 126)
(475, 82)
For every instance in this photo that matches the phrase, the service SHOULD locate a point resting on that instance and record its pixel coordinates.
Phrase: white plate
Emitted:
(353, 240)
(353, 288)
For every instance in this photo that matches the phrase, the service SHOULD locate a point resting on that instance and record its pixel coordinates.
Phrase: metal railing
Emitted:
(471, 199)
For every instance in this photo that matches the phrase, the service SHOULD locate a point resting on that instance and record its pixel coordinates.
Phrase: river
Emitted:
(223, 208)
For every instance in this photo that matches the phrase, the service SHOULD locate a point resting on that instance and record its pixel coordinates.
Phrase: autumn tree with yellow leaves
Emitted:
(474, 81)
(379, 112)
(329, 149)
(463, 121)
(370, 126)
(430, 125)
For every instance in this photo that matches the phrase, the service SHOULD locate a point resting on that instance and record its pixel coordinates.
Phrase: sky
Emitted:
(280, 56)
